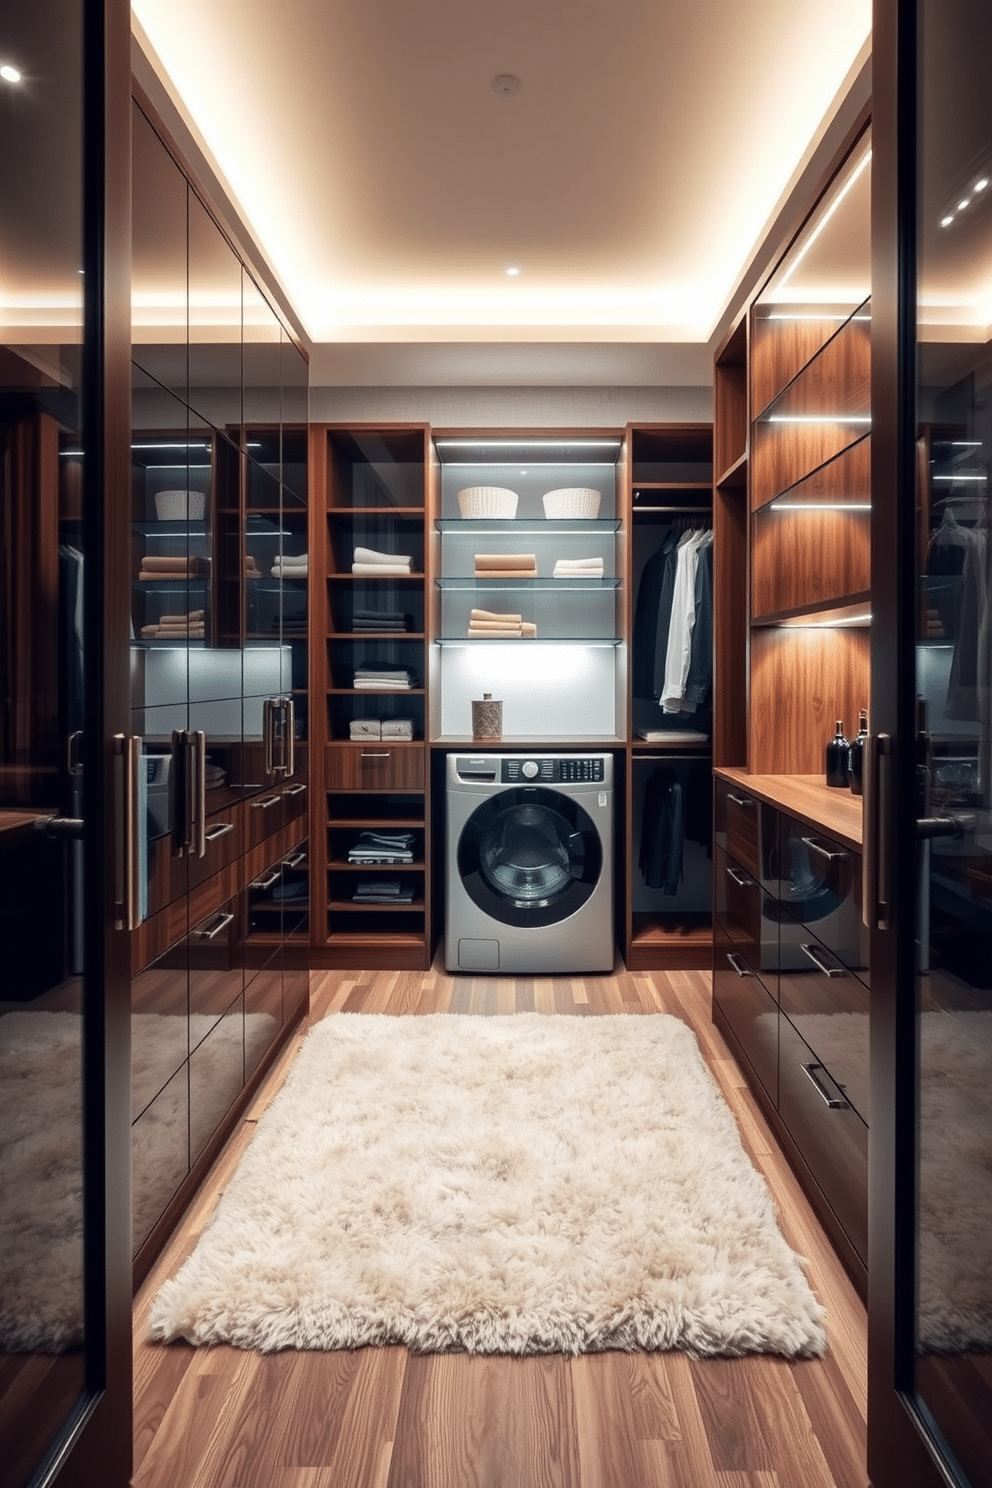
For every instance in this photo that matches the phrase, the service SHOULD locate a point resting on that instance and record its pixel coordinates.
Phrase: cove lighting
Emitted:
(10, 74)
(513, 271)
(838, 199)
(481, 444)
(819, 418)
(954, 479)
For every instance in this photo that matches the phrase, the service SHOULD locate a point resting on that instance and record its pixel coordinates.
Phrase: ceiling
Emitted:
(629, 179)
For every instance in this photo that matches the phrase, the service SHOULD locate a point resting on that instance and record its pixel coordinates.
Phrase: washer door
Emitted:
(529, 856)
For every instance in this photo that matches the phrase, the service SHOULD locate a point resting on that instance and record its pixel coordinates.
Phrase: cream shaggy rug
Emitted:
(41, 1156)
(522, 1184)
(955, 1278)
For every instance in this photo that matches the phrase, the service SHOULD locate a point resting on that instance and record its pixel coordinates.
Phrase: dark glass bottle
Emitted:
(838, 755)
(857, 750)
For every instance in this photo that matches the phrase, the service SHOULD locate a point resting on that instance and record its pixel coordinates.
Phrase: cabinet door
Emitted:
(821, 887)
(749, 1008)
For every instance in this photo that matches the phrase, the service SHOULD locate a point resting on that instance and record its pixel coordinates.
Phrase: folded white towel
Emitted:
(381, 568)
(369, 555)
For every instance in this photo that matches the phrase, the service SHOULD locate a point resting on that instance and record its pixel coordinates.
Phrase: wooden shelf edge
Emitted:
(808, 797)
(734, 478)
(349, 906)
(839, 610)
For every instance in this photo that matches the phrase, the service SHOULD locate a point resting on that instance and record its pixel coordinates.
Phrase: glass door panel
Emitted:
(953, 1331)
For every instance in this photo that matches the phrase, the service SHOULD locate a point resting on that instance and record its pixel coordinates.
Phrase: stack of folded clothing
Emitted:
(381, 620)
(382, 847)
(296, 891)
(190, 626)
(506, 565)
(384, 676)
(578, 568)
(214, 776)
(286, 567)
(365, 728)
(397, 728)
(368, 561)
(294, 622)
(492, 625)
(383, 891)
(172, 568)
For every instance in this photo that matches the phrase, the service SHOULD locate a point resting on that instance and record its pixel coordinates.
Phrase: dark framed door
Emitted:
(928, 857)
(65, 1341)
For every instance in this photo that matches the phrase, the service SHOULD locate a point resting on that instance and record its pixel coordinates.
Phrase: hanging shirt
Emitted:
(679, 653)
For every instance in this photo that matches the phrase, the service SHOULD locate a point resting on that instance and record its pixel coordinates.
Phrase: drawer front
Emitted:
(747, 915)
(829, 1007)
(747, 829)
(374, 766)
(224, 843)
(749, 1009)
(215, 967)
(821, 887)
(828, 1132)
(265, 814)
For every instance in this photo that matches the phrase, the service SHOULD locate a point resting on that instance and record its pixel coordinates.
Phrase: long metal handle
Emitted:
(740, 879)
(876, 885)
(294, 860)
(179, 824)
(268, 734)
(820, 964)
(200, 793)
(294, 790)
(126, 907)
(222, 923)
(371, 754)
(220, 830)
(738, 964)
(266, 881)
(290, 743)
(740, 800)
(264, 805)
(824, 852)
(835, 1103)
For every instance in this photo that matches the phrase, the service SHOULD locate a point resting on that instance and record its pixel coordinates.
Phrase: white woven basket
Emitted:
(179, 506)
(572, 501)
(487, 501)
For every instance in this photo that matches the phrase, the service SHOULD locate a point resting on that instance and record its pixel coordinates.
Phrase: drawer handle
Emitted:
(294, 790)
(740, 800)
(821, 965)
(738, 964)
(740, 879)
(814, 846)
(222, 923)
(836, 1103)
(220, 830)
(264, 805)
(368, 754)
(266, 881)
(294, 860)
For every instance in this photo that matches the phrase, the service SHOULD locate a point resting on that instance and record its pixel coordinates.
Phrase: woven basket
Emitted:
(488, 502)
(572, 501)
(179, 506)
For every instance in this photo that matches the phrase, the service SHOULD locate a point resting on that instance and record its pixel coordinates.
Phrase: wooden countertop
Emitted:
(833, 811)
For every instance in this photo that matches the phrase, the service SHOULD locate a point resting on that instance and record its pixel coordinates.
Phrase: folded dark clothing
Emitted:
(405, 898)
(385, 839)
(377, 668)
(362, 614)
(291, 893)
(390, 886)
(381, 627)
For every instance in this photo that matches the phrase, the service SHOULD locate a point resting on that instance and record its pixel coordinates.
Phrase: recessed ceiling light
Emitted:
(981, 185)
(513, 271)
(963, 204)
(946, 221)
(505, 85)
(10, 74)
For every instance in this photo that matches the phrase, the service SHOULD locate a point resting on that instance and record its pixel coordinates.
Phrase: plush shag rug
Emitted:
(955, 1278)
(41, 1232)
(522, 1184)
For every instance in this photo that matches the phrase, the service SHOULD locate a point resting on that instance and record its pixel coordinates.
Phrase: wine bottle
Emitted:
(857, 750)
(838, 756)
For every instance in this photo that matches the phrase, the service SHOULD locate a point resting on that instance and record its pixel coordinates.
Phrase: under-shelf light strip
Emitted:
(780, 505)
(819, 418)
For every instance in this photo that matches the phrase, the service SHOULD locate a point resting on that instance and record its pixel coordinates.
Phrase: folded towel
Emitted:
(485, 561)
(475, 615)
(371, 555)
(364, 728)
(506, 573)
(381, 568)
(165, 565)
(397, 728)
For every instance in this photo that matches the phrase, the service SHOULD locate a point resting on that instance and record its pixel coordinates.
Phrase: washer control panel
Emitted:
(552, 771)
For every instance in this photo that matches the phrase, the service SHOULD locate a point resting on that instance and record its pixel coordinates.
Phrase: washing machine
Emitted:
(529, 863)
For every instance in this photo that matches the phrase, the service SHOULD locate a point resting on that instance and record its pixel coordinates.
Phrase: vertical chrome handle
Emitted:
(200, 794)
(268, 734)
(290, 758)
(179, 820)
(876, 816)
(127, 911)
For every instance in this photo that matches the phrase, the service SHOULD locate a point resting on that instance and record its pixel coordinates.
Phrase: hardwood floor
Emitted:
(380, 1418)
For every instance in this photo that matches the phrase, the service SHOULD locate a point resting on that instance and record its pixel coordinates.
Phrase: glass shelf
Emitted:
(551, 640)
(529, 586)
(531, 526)
(152, 528)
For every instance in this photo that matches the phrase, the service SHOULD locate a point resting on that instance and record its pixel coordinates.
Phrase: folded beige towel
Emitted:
(495, 615)
(365, 728)
(381, 568)
(165, 565)
(505, 560)
(397, 728)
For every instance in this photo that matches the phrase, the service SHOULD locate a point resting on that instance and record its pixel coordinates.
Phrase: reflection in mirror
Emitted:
(214, 321)
(954, 681)
(158, 259)
(42, 573)
(263, 361)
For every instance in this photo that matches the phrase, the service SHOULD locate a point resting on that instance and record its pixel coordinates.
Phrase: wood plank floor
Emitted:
(380, 1418)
